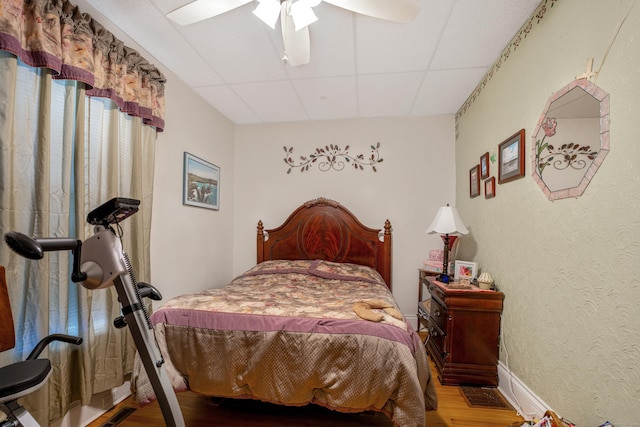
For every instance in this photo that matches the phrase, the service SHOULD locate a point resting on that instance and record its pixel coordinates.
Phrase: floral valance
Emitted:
(56, 35)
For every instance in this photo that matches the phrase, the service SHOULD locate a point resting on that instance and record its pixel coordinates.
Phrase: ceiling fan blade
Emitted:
(390, 10)
(200, 10)
(297, 46)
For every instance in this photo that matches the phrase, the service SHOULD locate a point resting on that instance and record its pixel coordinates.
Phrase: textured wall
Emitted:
(571, 320)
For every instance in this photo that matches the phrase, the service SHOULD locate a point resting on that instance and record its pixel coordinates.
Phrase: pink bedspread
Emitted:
(285, 332)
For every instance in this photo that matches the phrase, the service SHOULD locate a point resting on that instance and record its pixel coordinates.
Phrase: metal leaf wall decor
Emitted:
(333, 157)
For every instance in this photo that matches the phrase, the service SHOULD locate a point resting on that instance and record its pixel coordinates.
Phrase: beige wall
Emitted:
(191, 247)
(572, 312)
(414, 179)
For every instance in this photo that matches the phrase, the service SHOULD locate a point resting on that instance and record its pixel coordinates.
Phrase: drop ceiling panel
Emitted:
(328, 98)
(388, 95)
(229, 104)
(238, 53)
(332, 46)
(392, 47)
(443, 92)
(272, 101)
(477, 32)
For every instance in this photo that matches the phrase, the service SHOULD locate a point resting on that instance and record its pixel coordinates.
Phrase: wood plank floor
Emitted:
(199, 411)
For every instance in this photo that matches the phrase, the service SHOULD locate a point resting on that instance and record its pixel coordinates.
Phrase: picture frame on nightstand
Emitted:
(465, 270)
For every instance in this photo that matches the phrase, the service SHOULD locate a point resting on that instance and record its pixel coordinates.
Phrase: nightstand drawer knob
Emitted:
(433, 332)
(437, 313)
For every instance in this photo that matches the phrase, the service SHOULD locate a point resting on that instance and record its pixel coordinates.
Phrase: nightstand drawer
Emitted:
(436, 337)
(424, 309)
(436, 292)
(439, 314)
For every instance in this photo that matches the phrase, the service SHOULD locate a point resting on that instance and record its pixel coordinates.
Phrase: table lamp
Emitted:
(448, 224)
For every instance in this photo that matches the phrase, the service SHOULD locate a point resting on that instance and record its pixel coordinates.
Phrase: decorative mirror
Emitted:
(571, 139)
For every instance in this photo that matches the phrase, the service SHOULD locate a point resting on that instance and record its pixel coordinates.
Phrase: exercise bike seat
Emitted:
(22, 378)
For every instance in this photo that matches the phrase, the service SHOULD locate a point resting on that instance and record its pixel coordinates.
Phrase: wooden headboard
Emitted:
(324, 229)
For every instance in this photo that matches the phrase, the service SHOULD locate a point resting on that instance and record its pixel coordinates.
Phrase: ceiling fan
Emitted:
(295, 17)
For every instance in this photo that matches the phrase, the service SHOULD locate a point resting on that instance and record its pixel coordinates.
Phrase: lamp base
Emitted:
(443, 278)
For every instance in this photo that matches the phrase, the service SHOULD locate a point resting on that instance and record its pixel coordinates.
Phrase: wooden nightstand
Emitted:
(464, 333)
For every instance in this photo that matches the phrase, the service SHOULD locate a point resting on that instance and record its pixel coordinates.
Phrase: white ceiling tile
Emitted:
(247, 55)
(443, 92)
(229, 104)
(332, 46)
(272, 101)
(383, 95)
(385, 47)
(477, 32)
(328, 98)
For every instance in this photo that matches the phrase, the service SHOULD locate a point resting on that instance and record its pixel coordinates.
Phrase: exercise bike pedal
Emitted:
(119, 323)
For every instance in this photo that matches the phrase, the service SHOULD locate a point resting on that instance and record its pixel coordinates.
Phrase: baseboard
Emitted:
(100, 403)
(525, 401)
(412, 319)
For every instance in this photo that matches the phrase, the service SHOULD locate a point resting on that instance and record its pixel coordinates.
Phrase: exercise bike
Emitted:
(100, 262)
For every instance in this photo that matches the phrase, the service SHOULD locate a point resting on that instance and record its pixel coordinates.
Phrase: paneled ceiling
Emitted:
(360, 66)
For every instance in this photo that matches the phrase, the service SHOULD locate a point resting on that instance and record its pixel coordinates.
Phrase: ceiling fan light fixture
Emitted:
(302, 14)
(268, 11)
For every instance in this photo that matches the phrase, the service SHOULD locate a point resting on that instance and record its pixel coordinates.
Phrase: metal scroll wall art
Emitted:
(333, 157)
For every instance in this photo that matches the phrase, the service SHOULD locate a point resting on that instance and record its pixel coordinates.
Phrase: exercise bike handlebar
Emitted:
(31, 248)
(44, 342)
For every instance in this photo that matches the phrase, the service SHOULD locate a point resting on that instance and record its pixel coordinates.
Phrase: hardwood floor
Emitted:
(199, 411)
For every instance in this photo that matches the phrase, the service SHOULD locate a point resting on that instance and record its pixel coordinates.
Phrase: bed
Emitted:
(286, 332)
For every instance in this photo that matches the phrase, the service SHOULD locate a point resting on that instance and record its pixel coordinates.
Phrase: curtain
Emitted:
(54, 34)
(61, 155)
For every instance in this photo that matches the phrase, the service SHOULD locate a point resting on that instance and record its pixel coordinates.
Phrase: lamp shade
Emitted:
(447, 221)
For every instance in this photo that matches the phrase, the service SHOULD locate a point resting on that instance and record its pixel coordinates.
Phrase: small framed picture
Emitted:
(484, 166)
(511, 158)
(465, 270)
(490, 188)
(474, 181)
(200, 183)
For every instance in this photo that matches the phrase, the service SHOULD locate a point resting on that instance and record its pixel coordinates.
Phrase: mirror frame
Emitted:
(603, 98)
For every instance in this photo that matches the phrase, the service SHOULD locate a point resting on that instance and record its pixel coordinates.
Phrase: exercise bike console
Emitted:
(114, 211)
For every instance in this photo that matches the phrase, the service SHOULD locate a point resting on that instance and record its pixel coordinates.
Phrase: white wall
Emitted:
(567, 268)
(414, 179)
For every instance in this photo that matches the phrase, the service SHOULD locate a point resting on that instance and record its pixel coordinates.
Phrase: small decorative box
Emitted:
(432, 266)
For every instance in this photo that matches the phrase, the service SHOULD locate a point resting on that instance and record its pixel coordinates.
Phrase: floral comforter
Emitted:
(285, 332)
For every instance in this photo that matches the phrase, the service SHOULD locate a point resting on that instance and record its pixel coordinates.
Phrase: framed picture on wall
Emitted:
(474, 181)
(484, 166)
(511, 158)
(200, 183)
(490, 188)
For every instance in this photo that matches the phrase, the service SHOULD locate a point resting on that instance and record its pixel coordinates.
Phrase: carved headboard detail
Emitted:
(324, 229)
